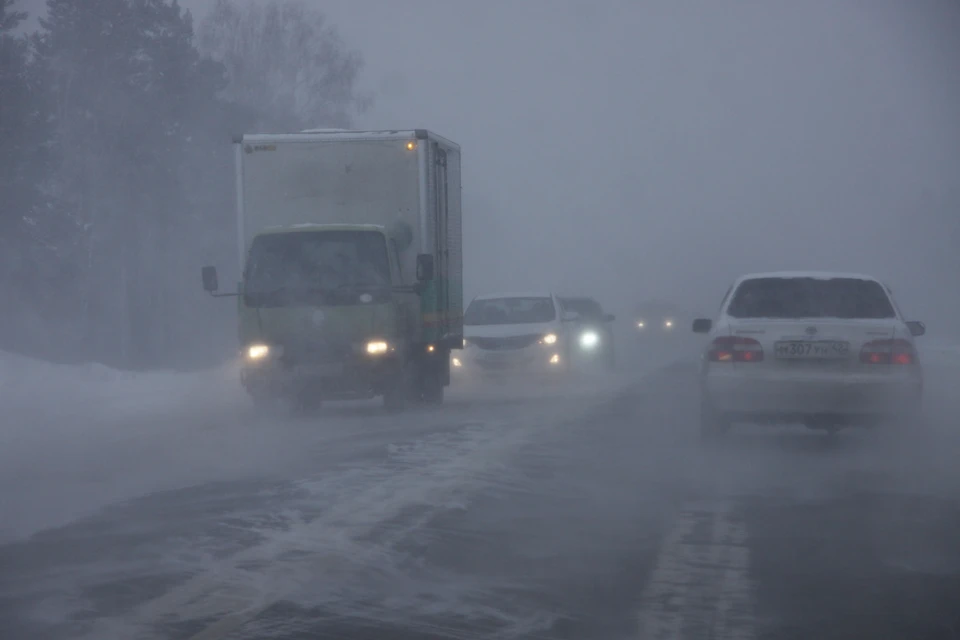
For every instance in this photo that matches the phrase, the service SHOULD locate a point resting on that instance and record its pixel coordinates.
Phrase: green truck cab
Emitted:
(351, 266)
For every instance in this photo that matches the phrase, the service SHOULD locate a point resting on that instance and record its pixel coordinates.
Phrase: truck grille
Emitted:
(504, 344)
(305, 353)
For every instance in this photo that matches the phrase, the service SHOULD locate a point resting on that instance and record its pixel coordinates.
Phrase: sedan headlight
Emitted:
(377, 347)
(589, 339)
(258, 351)
(550, 338)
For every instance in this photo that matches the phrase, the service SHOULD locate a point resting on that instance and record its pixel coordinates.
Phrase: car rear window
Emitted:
(848, 298)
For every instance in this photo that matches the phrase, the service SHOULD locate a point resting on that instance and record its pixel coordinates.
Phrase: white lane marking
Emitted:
(700, 586)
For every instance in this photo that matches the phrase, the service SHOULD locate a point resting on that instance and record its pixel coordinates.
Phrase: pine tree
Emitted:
(125, 85)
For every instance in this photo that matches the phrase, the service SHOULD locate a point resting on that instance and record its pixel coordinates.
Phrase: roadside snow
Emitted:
(41, 388)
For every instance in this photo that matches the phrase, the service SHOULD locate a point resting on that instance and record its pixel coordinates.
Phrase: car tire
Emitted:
(713, 426)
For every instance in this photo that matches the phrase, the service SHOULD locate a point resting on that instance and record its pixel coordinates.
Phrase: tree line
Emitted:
(116, 168)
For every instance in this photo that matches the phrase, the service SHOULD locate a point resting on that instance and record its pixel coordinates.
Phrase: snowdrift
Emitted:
(26, 383)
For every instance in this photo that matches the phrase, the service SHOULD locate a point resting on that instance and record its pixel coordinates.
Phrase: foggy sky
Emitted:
(650, 149)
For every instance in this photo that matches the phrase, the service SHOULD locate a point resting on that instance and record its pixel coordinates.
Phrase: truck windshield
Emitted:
(299, 263)
(510, 311)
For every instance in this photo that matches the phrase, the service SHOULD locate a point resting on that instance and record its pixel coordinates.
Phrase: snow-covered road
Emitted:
(582, 509)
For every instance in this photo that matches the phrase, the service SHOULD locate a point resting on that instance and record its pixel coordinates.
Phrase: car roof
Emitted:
(817, 275)
(527, 294)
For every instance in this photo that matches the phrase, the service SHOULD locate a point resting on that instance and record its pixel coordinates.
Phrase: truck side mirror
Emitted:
(702, 325)
(209, 277)
(424, 267)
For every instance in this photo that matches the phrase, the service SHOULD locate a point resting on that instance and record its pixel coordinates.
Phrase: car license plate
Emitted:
(811, 349)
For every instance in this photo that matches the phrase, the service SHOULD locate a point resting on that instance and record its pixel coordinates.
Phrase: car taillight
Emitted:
(735, 349)
(893, 351)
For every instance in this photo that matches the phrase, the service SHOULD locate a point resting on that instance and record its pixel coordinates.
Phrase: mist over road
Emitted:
(585, 509)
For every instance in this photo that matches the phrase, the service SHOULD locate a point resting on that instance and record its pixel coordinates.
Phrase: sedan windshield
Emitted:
(849, 298)
(586, 308)
(510, 311)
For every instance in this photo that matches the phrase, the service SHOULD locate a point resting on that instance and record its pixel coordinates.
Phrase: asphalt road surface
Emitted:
(582, 510)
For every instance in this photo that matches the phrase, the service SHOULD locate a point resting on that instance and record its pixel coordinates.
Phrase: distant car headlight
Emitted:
(641, 324)
(589, 339)
(668, 324)
(258, 351)
(550, 338)
(377, 347)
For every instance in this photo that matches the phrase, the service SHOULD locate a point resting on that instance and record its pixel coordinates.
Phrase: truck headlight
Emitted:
(377, 347)
(258, 351)
(589, 339)
(550, 338)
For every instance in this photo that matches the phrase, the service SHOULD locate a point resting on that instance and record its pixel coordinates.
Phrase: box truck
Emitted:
(350, 249)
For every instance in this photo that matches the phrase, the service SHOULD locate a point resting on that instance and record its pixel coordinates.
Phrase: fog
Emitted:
(659, 149)
(629, 151)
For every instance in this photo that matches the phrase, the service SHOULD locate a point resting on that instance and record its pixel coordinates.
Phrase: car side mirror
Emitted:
(702, 325)
(424, 267)
(609, 317)
(916, 328)
(209, 277)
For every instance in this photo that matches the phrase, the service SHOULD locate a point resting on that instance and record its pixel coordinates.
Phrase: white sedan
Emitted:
(514, 333)
(826, 350)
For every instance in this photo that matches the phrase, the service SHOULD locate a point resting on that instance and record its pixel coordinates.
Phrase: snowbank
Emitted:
(43, 387)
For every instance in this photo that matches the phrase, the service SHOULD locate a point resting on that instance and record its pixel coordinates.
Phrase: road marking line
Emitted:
(700, 586)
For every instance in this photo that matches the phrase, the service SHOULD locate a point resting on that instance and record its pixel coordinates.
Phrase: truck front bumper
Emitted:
(352, 378)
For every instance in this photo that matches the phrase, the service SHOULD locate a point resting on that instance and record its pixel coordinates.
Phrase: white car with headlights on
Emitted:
(523, 332)
(826, 350)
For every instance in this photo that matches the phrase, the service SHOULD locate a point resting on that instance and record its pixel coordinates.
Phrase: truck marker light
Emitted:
(411, 145)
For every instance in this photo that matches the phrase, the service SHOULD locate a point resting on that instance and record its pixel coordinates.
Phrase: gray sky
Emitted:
(661, 148)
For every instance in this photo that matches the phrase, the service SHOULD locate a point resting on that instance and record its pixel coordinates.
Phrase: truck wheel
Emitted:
(399, 391)
(265, 404)
(712, 425)
(307, 403)
(433, 388)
